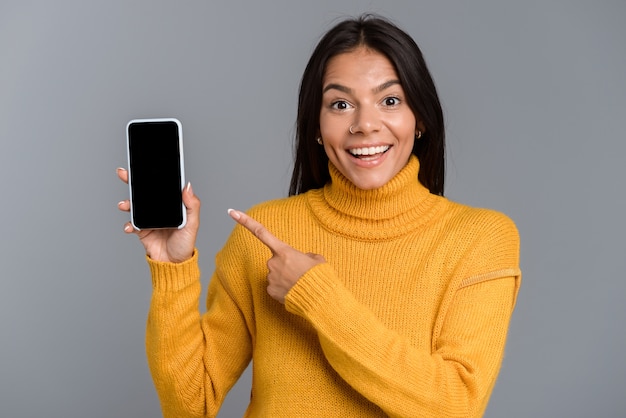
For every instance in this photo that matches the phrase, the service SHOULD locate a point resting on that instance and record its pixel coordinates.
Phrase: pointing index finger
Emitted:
(258, 230)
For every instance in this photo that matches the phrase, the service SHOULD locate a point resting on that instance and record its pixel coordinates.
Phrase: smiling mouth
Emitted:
(368, 152)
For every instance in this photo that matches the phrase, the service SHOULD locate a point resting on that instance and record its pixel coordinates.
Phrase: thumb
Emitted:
(192, 203)
(317, 257)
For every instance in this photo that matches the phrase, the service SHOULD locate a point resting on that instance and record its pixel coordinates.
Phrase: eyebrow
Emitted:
(378, 89)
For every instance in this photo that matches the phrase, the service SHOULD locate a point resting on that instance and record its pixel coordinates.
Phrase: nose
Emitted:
(367, 120)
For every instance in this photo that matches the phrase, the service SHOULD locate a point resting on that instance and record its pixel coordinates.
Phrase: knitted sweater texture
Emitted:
(408, 317)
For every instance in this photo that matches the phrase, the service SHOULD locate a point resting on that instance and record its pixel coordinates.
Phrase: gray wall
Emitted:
(534, 96)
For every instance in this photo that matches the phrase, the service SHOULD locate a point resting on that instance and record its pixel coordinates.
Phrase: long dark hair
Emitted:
(311, 163)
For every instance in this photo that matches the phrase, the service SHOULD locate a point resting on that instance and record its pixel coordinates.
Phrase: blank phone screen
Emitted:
(155, 174)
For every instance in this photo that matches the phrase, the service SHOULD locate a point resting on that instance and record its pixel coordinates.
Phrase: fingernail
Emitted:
(118, 169)
(120, 203)
(189, 189)
(233, 214)
(128, 228)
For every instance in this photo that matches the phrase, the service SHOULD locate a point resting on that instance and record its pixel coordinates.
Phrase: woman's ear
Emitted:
(318, 138)
(420, 129)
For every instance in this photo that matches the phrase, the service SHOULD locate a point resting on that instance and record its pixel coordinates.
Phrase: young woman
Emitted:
(363, 294)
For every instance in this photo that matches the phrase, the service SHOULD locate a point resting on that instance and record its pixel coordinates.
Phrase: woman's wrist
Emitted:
(171, 276)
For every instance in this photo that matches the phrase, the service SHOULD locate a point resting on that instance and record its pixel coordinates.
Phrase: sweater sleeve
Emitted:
(194, 359)
(454, 378)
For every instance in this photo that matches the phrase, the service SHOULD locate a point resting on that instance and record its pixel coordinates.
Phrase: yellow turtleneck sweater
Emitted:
(407, 318)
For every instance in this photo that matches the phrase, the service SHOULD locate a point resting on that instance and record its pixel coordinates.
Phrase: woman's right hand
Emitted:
(168, 245)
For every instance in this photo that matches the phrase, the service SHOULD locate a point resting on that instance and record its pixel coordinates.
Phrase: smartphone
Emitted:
(156, 174)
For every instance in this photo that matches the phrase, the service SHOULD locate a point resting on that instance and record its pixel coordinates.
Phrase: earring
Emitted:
(319, 140)
(419, 134)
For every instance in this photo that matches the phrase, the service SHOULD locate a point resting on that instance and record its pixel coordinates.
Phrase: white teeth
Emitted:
(369, 150)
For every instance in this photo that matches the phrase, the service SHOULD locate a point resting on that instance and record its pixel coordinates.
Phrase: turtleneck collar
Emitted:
(394, 209)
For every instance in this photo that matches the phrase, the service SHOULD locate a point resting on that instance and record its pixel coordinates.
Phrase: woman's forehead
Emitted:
(359, 66)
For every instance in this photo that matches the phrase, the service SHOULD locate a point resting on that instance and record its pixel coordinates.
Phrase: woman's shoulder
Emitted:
(481, 221)
(281, 203)
(273, 214)
(487, 236)
(278, 208)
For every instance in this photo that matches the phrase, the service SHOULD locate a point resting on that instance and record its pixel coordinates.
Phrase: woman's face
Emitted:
(361, 90)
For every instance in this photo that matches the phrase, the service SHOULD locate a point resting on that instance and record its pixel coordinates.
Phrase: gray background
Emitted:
(534, 96)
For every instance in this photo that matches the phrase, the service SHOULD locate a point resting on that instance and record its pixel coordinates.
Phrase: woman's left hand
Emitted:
(286, 265)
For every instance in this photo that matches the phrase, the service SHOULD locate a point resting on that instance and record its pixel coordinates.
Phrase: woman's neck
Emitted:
(391, 210)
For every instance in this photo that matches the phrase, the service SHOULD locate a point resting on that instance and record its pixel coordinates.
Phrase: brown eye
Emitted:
(340, 105)
(392, 101)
